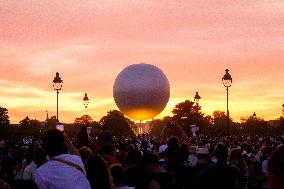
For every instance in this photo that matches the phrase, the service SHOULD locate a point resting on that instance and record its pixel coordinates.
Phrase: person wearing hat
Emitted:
(203, 162)
(220, 175)
(203, 159)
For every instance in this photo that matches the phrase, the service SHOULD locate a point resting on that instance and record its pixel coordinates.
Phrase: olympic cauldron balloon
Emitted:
(141, 91)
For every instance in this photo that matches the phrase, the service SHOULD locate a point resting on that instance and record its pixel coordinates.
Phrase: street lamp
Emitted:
(227, 82)
(86, 100)
(197, 98)
(57, 85)
(86, 103)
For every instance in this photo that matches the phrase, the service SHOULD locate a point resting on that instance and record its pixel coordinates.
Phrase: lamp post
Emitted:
(57, 85)
(254, 114)
(86, 103)
(196, 100)
(227, 82)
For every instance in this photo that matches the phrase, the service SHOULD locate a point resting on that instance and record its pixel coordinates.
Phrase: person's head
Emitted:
(85, 152)
(275, 169)
(235, 155)
(97, 172)
(150, 161)
(173, 143)
(163, 180)
(108, 149)
(118, 175)
(221, 153)
(267, 151)
(53, 142)
(236, 158)
(183, 152)
(134, 157)
(122, 147)
(39, 157)
(172, 156)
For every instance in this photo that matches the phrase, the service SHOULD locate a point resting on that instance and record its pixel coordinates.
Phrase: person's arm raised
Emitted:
(70, 147)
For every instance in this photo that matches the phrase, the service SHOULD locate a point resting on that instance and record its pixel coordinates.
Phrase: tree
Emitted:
(4, 118)
(220, 122)
(84, 120)
(281, 121)
(280, 126)
(256, 125)
(50, 124)
(208, 121)
(188, 113)
(27, 122)
(118, 124)
(29, 127)
(156, 126)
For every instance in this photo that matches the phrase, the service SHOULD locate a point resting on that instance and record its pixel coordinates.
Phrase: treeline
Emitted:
(189, 113)
(184, 114)
(114, 121)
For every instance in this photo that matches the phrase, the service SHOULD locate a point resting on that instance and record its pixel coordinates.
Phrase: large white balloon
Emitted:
(141, 91)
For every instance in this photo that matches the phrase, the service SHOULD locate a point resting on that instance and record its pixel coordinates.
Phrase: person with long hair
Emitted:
(97, 173)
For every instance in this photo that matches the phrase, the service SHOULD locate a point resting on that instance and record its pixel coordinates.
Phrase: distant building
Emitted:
(143, 127)
(44, 123)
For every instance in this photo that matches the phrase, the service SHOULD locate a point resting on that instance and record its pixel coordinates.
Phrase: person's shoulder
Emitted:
(69, 156)
(28, 167)
(43, 167)
(234, 170)
(32, 165)
(126, 187)
(210, 169)
(133, 169)
(72, 158)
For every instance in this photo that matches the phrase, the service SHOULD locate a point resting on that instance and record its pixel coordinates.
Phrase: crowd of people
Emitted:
(107, 162)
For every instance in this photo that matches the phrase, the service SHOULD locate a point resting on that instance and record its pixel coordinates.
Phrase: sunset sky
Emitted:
(90, 42)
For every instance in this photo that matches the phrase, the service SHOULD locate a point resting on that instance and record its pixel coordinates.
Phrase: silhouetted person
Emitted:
(108, 154)
(85, 153)
(134, 173)
(162, 180)
(105, 136)
(97, 173)
(204, 161)
(220, 175)
(82, 138)
(38, 160)
(118, 177)
(150, 168)
(276, 169)
(174, 164)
